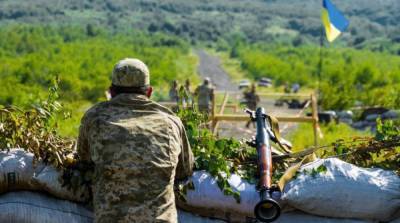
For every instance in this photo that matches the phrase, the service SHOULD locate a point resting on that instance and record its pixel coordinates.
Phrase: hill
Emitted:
(373, 23)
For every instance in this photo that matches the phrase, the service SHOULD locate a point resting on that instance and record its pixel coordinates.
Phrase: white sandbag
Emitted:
(186, 217)
(344, 191)
(30, 207)
(301, 217)
(207, 199)
(49, 180)
(208, 194)
(17, 170)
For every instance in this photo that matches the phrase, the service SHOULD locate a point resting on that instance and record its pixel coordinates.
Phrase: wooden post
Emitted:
(213, 120)
(315, 118)
(221, 112)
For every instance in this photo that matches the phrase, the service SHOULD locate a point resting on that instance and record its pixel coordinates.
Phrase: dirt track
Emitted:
(210, 66)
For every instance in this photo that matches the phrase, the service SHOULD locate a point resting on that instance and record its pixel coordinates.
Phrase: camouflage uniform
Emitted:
(252, 100)
(173, 92)
(139, 148)
(204, 94)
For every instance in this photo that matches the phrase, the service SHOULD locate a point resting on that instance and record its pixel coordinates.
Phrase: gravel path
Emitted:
(210, 66)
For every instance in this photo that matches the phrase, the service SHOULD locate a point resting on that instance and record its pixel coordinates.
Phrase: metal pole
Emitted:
(315, 118)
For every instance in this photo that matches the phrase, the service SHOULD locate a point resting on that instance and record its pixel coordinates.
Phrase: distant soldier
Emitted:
(138, 148)
(286, 88)
(295, 87)
(252, 100)
(204, 94)
(188, 93)
(187, 86)
(173, 92)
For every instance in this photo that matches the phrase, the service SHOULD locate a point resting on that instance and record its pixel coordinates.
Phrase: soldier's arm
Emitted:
(186, 159)
(83, 142)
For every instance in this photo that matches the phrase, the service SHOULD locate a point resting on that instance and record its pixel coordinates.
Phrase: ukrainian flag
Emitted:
(334, 21)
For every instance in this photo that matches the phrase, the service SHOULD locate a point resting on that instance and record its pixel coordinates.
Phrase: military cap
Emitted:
(130, 72)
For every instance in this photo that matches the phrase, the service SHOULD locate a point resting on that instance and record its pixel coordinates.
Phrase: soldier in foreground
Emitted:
(204, 94)
(138, 147)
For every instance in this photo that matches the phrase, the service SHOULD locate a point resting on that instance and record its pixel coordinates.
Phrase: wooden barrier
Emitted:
(216, 118)
(169, 104)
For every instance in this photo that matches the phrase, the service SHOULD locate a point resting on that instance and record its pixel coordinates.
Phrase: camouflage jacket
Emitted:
(252, 99)
(139, 148)
(204, 93)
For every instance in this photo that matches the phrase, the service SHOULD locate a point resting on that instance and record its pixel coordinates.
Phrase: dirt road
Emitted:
(210, 66)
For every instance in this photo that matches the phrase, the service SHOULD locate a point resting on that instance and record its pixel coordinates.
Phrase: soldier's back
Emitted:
(205, 93)
(136, 144)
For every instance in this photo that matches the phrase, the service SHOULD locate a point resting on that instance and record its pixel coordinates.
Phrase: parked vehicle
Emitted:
(244, 84)
(265, 82)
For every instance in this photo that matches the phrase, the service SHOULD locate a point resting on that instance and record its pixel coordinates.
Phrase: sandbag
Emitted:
(208, 194)
(187, 217)
(301, 217)
(334, 188)
(33, 207)
(207, 199)
(49, 180)
(17, 170)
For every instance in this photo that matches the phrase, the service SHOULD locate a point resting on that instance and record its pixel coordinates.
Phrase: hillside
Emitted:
(373, 23)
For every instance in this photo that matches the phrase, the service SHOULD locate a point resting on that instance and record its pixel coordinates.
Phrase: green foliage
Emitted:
(219, 157)
(36, 54)
(373, 23)
(300, 138)
(387, 130)
(313, 172)
(34, 130)
(33, 55)
(348, 76)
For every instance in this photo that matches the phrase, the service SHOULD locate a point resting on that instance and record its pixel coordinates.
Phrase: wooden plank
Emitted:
(241, 118)
(315, 118)
(221, 112)
(213, 120)
(226, 97)
(284, 95)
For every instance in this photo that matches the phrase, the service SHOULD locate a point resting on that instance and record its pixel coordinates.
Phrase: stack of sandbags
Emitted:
(334, 188)
(208, 200)
(48, 179)
(19, 171)
(337, 192)
(35, 207)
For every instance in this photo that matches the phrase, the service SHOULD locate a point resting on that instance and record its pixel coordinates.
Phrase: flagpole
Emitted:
(321, 60)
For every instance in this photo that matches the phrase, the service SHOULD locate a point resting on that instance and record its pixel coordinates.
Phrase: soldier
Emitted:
(173, 92)
(204, 93)
(138, 147)
(252, 100)
(188, 92)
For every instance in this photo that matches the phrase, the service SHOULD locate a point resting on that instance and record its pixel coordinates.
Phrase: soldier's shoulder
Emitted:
(95, 110)
(169, 114)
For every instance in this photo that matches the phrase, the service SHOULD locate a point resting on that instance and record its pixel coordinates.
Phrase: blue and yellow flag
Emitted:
(334, 21)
